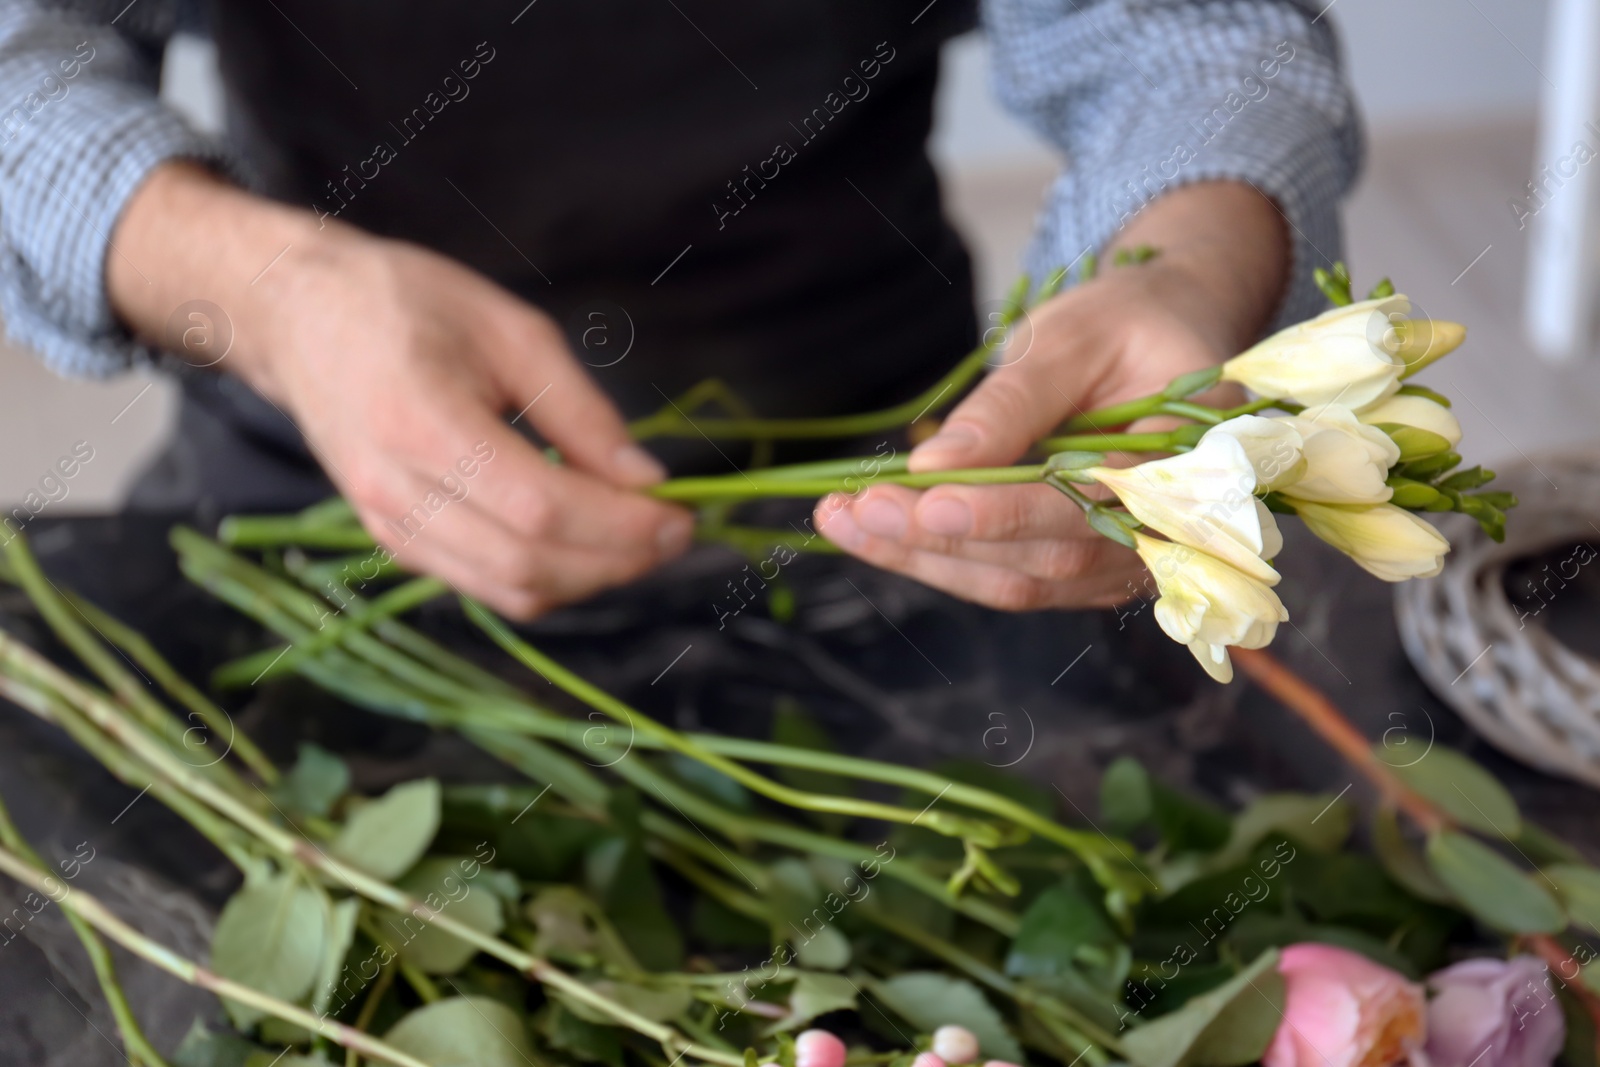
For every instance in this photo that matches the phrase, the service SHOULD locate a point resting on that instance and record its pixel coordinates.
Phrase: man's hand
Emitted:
(400, 367)
(1222, 260)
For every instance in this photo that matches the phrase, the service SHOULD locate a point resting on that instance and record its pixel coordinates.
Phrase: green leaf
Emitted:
(586, 1041)
(1188, 823)
(620, 876)
(1125, 800)
(1065, 930)
(805, 916)
(1464, 790)
(658, 1005)
(213, 1048)
(928, 1000)
(708, 782)
(384, 837)
(1579, 889)
(1320, 822)
(464, 1032)
(341, 926)
(1403, 863)
(1489, 886)
(1227, 1027)
(456, 887)
(814, 995)
(270, 936)
(1106, 523)
(315, 782)
(278, 1059)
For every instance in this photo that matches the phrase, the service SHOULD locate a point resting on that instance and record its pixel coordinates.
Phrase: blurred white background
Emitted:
(1450, 90)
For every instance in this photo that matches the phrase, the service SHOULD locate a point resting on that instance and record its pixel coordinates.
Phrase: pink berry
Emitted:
(998, 1063)
(927, 1059)
(818, 1048)
(955, 1044)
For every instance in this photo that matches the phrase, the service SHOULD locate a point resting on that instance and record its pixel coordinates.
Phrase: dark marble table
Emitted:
(893, 670)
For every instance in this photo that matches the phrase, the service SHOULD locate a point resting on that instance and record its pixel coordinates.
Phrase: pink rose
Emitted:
(1494, 1013)
(1343, 1010)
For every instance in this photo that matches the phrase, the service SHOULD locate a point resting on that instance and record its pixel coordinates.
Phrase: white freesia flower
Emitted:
(1272, 445)
(1208, 605)
(1348, 354)
(1346, 461)
(1385, 540)
(1416, 411)
(1204, 498)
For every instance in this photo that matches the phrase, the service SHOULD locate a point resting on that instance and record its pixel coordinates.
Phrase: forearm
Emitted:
(188, 236)
(1223, 258)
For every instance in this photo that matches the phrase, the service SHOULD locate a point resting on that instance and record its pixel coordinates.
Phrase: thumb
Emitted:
(1014, 407)
(552, 393)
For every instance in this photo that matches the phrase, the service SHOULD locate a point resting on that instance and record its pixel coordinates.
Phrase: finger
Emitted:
(990, 584)
(1010, 409)
(1050, 554)
(1000, 513)
(554, 394)
(534, 500)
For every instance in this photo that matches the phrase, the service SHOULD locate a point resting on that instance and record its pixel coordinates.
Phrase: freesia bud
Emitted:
(1204, 498)
(1385, 540)
(1349, 354)
(1423, 341)
(1207, 605)
(1415, 443)
(1345, 461)
(1417, 411)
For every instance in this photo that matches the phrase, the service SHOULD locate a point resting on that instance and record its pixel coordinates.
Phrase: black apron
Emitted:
(690, 187)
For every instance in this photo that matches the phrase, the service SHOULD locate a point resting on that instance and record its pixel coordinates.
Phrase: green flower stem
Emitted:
(323, 573)
(144, 654)
(269, 531)
(943, 822)
(69, 626)
(104, 921)
(675, 420)
(218, 570)
(18, 660)
(1109, 442)
(1104, 856)
(1088, 1038)
(135, 1044)
(754, 540)
(51, 707)
(272, 662)
(759, 485)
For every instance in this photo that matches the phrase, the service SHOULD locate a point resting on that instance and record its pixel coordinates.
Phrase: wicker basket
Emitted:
(1507, 674)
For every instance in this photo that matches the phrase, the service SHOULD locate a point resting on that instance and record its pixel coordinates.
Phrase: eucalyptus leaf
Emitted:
(1465, 791)
(928, 1000)
(1063, 930)
(213, 1048)
(620, 876)
(315, 782)
(792, 725)
(814, 995)
(1403, 863)
(384, 837)
(1319, 821)
(1489, 886)
(1125, 800)
(341, 927)
(804, 916)
(1579, 889)
(279, 1059)
(1230, 1026)
(270, 936)
(441, 883)
(586, 1041)
(658, 1005)
(464, 1032)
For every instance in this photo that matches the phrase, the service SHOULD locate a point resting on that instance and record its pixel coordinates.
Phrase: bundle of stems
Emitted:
(376, 661)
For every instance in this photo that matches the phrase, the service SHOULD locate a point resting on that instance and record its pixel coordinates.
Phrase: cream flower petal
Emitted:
(1204, 498)
(1348, 354)
(1346, 461)
(1416, 411)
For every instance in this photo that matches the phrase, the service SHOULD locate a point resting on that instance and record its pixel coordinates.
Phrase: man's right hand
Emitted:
(399, 366)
